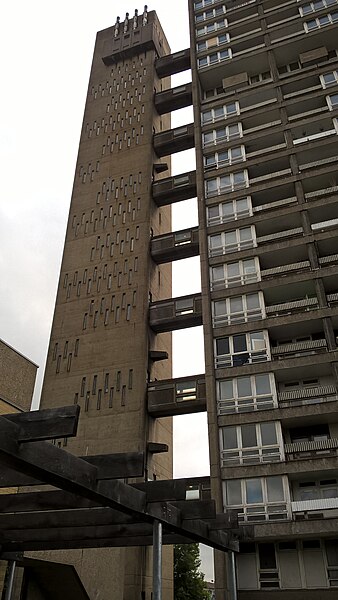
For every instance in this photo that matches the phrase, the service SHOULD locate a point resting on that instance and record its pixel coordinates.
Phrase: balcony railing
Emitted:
(319, 163)
(322, 192)
(240, 359)
(304, 396)
(325, 260)
(290, 307)
(289, 233)
(316, 504)
(273, 205)
(299, 348)
(285, 269)
(311, 449)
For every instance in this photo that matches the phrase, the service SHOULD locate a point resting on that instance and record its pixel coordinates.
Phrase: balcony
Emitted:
(314, 509)
(176, 313)
(306, 396)
(177, 396)
(311, 449)
(173, 99)
(175, 189)
(173, 63)
(296, 349)
(175, 245)
(174, 140)
(286, 269)
(280, 235)
(288, 308)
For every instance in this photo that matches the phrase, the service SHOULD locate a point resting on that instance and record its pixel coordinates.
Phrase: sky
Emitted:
(45, 58)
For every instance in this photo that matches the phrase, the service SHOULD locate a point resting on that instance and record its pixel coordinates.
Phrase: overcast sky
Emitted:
(46, 50)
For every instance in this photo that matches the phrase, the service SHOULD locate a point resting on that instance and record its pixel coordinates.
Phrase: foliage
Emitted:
(189, 582)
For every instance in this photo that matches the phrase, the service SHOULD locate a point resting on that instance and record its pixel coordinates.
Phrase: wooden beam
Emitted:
(118, 466)
(109, 466)
(40, 501)
(172, 490)
(60, 469)
(196, 509)
(115, 542)
(136, 534)
(163, 490)
(57, 467)
(46, 424)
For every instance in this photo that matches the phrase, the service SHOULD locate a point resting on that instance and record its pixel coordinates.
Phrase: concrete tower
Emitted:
(265, 101)
(102, 352)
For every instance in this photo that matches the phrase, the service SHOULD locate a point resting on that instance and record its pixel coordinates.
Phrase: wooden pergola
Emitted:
(89, 506)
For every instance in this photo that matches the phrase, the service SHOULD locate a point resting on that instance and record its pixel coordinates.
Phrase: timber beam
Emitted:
(127, 513)
(39, 425)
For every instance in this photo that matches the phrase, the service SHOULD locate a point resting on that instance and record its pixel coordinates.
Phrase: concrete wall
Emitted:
(17, 377)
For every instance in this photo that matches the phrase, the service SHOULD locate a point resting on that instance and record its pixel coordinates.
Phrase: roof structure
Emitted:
(90, 507)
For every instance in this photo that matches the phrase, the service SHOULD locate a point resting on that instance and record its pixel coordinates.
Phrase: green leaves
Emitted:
(189, 583)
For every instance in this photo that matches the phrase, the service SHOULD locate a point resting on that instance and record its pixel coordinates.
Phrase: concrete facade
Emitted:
(101, 348)
(17, 378)
(265, 112)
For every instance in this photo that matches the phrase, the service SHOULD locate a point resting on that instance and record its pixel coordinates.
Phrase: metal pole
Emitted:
(232, 576)
(157, 560)
(10, 580)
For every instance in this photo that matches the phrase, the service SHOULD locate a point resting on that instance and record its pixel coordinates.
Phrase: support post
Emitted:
(10, 580)
(232, 576)
(157, 560)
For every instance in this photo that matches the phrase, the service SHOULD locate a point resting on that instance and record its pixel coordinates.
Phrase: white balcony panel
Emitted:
(319, 504)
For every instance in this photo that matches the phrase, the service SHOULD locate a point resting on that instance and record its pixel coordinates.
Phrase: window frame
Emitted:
(241, 279)
(244, 316)
(250, 510)
(259, 453)
(230, 160)
(242, 404)
(225, 113)
(248, 356)
(236, 246)
(222, 188)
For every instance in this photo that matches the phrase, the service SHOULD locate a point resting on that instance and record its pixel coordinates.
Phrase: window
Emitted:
(236, 273)
(331, 547)
(229, 211)
(238, 309)
(312, 7)
(220, 112)
(244, 394)
(319, 22)
(209, 14)
(216, 57)
(232, 241)
(315, 490)
(268, 571)
(211, 27)
(202, 3)
(225, 157)
(180, 180)
(226, 183)
(261, 498)
(265, 76)
(332, 101)
(222, 134)
(218, 40)
(251, 444)
(289, 68)
(238, 350)
(329, 79)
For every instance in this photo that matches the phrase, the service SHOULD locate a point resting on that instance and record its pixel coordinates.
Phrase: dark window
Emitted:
(267, 558)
